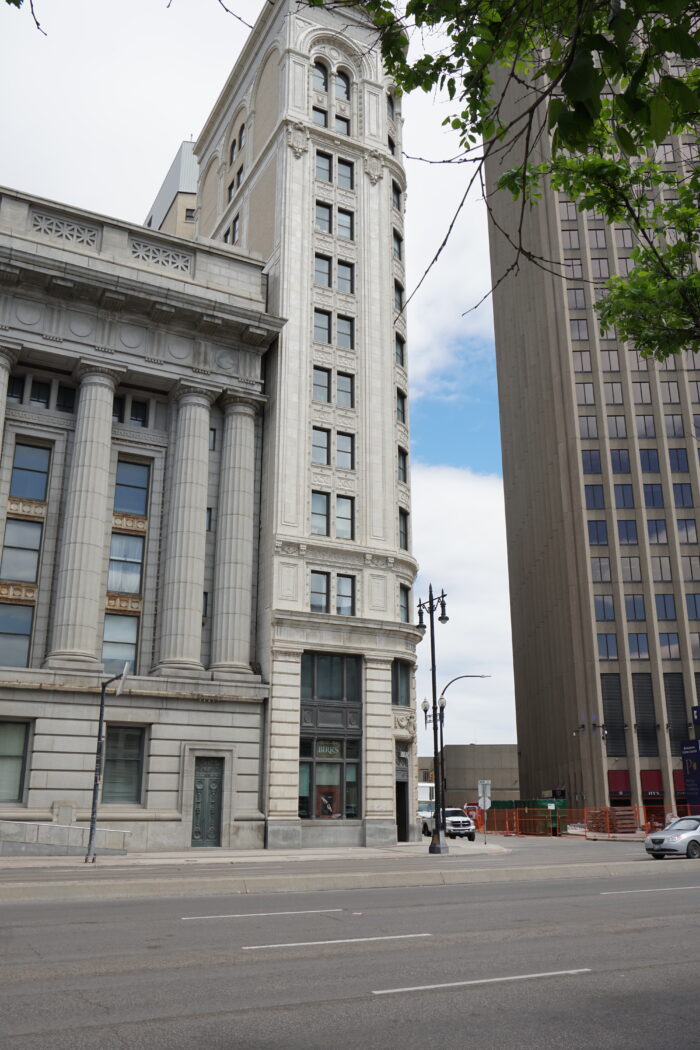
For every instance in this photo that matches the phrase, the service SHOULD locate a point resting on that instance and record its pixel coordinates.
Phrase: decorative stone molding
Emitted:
(185, 389)
(298, 139)
(18, 592)
(97, 369)
(129, 522)
(374, 167)
(405, 723)
(26, 508)
(65, 229)
(157, 255)
(8, 357)
(126, 603)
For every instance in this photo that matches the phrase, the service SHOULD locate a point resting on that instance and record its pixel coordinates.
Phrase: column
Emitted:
(233, 579)
(7, 363)
(181, 596)
(79, 597)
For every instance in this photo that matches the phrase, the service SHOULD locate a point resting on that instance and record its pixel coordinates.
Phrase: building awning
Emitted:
(652, 783)
(619, 783)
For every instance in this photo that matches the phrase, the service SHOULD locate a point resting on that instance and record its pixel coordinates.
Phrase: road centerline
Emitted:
(261, 914)
(649, 889)
(345, 940)
(483, 980)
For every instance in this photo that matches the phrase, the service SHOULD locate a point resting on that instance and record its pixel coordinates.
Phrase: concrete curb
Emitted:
(215, 885)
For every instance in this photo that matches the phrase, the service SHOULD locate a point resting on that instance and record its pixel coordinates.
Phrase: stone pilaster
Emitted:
(78, 595)
(233, 581)
(183, 564)
(283, 824)
(8, 359)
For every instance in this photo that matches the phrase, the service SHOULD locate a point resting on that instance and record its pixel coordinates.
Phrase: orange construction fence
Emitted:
(591, 822)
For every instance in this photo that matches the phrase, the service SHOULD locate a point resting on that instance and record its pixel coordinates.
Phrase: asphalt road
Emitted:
(561, 964)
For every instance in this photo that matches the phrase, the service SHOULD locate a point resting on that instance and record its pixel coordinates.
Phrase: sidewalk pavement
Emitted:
(205, 872)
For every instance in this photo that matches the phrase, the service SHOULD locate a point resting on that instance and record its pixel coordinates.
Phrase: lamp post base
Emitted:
(438, 843)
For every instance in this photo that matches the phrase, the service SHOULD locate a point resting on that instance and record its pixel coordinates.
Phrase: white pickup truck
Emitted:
(457, 824)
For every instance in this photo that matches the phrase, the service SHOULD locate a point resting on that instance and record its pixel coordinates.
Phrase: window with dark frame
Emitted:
(30, 472)
(401, 683)
(119, 642)
(324, 167)
(123, 766)
(320, 513)
(20, 552)
(345, 595)
(125, 563)
(345, 517)
(345, 390)
(345, 451)
(320, 592)
(346, 174)
(14, 739)
(15, 634)
(131, 488)
(321, 385)
(320, 446)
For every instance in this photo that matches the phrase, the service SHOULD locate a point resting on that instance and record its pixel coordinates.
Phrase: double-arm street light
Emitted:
(438, 843)
(90, 855)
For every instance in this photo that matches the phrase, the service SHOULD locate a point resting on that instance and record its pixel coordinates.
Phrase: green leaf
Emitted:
(556, 107)
(625, 141)
(675, 41)
(580, 82)
(661, 117)
(678, 91)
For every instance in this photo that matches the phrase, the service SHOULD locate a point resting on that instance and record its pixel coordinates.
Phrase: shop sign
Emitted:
(691, 772)
(329, 749)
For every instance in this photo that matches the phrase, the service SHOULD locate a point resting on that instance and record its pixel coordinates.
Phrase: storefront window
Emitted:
(329, 779)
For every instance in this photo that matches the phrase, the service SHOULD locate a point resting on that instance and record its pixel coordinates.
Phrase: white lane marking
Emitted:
(347, 940)
(486, 980)
(654, 889)
(260, 914)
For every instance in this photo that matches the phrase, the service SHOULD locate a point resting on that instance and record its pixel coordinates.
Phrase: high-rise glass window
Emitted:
(620, 460)
(320, 591)
(597, 533)
(319, 77)
(125, 564)
(576, 298)
(403, 529)
(682, 494)
(607, 647)
(624, 497)
(342, 87)
(400, 406)
(656, 530)
(590, 458)
(638, 645)
(400, 351)
(604, 607)
(15, 634)
(600, 570)
(585, 394)
(15, 389)
(634, 607)
(665, 606)
(631, 569)
(578, 328)
(320, 514)
(396, 195)
(661, 569)
(346, 174)
(587, 427)
(322, 326)
(653, 495)
(342, 125)
(669, 646)
(402, 468)
(131, 488)
(345, 451)
(320, 446)
(20, 552)
(641, 393)
(65, 398)
(692, 602)
(345, 332)
(649, 460)
(322, 271)
(674, 426)
(687, 530)
(13, 760)
(646, 427)
(324, 217)
(404, 603)
(617, 427)
(346, 277)
(123, 768)
(346, 224)
(401, 683)
(319, 116)
(627, 531)
(345, 518)
(321, 385)
(613, 393)
(119, 642)
(345, 390)
(678, 460)
(324, 167)
(30, 472)
(345, 595)
(40, 393)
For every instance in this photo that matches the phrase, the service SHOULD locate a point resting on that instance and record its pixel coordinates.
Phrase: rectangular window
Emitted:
(398, 296)
(329, 676)
(682, 494)
(661, 569)
(397, 245)
(569, 240)
(13, 760)
(15, 389)
(320, 446)
(665, 606)
(609, 361)
(320, 589)
(634, 607)
(653, 495)
(396, 195)
(587, 427)
(402, 469)
(125, 564)
(345, 390)
(236, 229)
(400, 351)
(322, 326)
(40, 393)
(346, 277)
(345, 451)
(669, 393)
(346, 174)
(578, 327)
(65, 398)
(600, 269)
(324, 167)
(403, 529)
(345, 333)
(600, 570)
(567, 211)
(646, 427)
(617, 427)
(400, 406)
(596, 238)
(322, 271)
(607, 647)
(320, 513)
(687, 530)
(20, 552)
(212, 439)
(131, 488)
(345, 595)
(669, 646)
(321, 385)
(604, 607)
(573, 269)
(342, 125)
(344, 518)
(631, 570)
(649, 460)
(324, 217)
(624, 497)
(641, 393)
(319, 117)
(620, 459)
(595, 498)
(691, 567)
(123, 769)
(15, 634)
(613, 393)
(329, 783)
(346, 225)
(591, 461)
(597, 533)
(119, 642)
(585, 394)
(692, 602)
(656, 530)
(678, 460)
(674, 426)
(138, 413)
(576, 298)
(30, 472)
(401, 683)
(404, 603)
(638, 646)
(627, 531)
(623, 237)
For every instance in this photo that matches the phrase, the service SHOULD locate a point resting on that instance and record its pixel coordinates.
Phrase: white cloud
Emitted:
(459, 540)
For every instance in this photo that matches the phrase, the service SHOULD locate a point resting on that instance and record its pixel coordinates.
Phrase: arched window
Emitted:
(320, 77)
(390, 110)
(241, 137)
(342, 87)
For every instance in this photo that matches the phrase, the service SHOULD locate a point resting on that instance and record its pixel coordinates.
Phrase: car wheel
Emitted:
(657, 856)
(471, 836)
(693, 850)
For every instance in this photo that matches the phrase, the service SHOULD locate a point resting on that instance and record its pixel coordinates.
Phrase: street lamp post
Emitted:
(90, 856)
(438, 843)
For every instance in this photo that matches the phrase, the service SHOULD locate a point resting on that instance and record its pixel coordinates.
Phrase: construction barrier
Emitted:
(593, 822)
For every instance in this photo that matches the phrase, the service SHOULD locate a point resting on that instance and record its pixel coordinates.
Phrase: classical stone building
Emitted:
(205, 473)
(602, 485)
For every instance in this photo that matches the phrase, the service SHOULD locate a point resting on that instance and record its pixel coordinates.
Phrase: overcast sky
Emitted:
(92, 116)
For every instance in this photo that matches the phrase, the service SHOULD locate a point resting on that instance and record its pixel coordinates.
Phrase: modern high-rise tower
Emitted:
(602, 489)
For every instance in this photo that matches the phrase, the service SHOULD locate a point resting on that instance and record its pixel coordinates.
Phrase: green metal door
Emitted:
(206, 815)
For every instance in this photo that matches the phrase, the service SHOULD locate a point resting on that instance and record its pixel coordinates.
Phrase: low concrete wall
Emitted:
(35, 839)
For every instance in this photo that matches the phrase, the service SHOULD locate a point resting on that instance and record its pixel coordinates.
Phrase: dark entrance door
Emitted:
(402, 810)
(206, 815)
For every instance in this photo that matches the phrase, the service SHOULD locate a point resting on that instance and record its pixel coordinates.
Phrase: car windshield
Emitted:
(454, 813)
(686, 824)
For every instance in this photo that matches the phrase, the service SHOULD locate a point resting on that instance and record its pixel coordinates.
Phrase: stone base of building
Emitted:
(283, 834)
(379, 833)
(312, 834)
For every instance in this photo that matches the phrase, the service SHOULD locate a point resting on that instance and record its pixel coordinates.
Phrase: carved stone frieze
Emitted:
(405, 723)
(129, 522)
(65, 229)
(26, 508)
(18, 592)
(298, 139)
(374, 167)
(159, 255)
(126, 603)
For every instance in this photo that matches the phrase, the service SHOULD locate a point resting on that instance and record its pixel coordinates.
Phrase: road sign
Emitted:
(484, 787)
